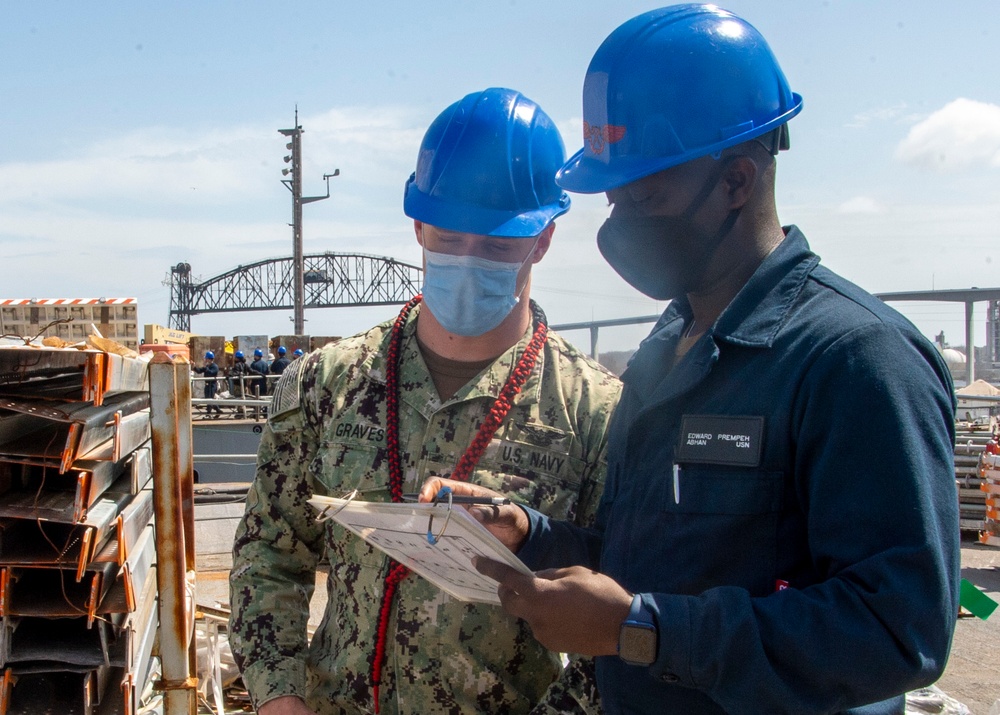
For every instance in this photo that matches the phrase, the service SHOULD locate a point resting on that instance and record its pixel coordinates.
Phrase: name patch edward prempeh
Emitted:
(720, 439)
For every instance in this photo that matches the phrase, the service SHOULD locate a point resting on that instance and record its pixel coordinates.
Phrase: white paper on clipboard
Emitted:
(400, 530)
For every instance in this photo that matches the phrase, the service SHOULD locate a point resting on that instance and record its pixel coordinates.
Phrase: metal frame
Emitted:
(968, 296)
(331, 280)
(173, 507)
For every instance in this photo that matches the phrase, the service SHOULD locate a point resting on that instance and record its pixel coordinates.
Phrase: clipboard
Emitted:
(401, 530)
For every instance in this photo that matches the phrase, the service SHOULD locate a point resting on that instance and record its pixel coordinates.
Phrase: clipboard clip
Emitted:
(439, 498)
(327, 514)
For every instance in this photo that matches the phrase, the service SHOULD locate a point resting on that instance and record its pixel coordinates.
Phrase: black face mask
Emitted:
(663, 257)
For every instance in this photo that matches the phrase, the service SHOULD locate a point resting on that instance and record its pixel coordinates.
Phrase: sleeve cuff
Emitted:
(553, 544)
(267, 680)
(673, 623)
(529, 551)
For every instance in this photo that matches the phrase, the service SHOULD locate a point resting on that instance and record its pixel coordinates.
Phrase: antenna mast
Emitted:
(295, 186)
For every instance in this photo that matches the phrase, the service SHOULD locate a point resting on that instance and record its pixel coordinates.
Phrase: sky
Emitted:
(140, 135)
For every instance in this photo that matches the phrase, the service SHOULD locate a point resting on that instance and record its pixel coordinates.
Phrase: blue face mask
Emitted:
(469, 295)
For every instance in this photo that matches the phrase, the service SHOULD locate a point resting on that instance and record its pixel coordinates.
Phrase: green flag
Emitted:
(975, 601)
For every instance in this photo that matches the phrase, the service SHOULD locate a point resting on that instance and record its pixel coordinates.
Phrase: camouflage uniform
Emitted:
(326, 435)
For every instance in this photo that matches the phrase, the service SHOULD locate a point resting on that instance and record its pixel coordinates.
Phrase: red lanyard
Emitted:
(397, 572)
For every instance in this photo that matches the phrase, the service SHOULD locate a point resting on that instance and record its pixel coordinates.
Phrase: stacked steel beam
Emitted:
(77, 578)
(989, 470)
(971, 439)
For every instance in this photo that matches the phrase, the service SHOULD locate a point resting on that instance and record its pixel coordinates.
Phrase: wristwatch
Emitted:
(638, 635)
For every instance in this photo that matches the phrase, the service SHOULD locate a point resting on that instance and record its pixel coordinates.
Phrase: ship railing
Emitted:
(246, 403)
(977, 398)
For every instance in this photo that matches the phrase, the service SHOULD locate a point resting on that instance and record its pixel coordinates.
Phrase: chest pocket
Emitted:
(354, 460)
(340, 466)
(736, 506)
(711, 489)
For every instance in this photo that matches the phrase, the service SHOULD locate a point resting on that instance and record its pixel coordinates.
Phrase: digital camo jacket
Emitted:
(326, 435)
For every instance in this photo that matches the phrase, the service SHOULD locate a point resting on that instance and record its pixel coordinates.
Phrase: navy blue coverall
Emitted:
(784, 501)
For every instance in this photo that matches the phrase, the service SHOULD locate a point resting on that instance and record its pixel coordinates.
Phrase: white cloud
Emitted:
(157, 165)
(861, 205)
(964, 133)
(372, 145)
(115, 214)
(879, 114)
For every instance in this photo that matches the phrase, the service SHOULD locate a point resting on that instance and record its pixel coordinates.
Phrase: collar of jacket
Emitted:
(414, 371)
(752, 319)
(758, 311)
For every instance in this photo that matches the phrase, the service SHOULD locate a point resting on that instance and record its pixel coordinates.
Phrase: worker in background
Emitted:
(779, 530)
(466, 382)
(279, 365)
(238, 374)
(259, 367)
(211, 371)
(297, 353)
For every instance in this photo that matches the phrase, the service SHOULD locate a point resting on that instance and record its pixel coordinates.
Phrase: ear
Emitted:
(418, 228)
(740, 181)
(544, 241)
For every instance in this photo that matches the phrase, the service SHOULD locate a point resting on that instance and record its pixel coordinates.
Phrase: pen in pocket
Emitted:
(677, 483)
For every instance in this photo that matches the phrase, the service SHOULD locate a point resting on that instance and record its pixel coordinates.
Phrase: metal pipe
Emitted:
(173, 490)
(185, 480)
(594, 327)
(226, 402)
(269, 376)
(970, 346)
(222, 457)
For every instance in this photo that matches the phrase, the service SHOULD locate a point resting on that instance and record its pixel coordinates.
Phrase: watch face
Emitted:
(637, 644)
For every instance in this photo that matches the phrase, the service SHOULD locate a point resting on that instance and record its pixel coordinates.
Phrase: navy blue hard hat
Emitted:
(258, 353)
(672, 85)
(487, 166)
(210, 355)
(281, 350)
(297, 353)
(238, 355)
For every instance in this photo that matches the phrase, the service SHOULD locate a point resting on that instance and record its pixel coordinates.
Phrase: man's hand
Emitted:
(286, 705)
(569, 610)
(508, 523)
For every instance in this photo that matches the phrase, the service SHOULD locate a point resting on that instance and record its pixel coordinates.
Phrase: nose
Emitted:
(638, 191)
(621, 196)
(629, 200)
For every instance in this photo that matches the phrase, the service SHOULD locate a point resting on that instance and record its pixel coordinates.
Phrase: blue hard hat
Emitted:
(487, 166)
(281, 350)
(258, 353)
(210, 355)
(238, 354)
(672, 85)
(297, 353)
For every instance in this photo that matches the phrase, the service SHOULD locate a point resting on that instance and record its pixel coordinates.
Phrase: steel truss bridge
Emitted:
(331, 280)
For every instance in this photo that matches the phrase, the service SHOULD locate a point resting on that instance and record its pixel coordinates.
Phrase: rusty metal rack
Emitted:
(977, 423)
(70, 375)
(57, 435)
(989, 470)
(970, 443)
(80, 498)
(69, 497)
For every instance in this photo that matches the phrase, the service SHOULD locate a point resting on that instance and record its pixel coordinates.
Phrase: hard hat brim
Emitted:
(479, 220)
(584, 174)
